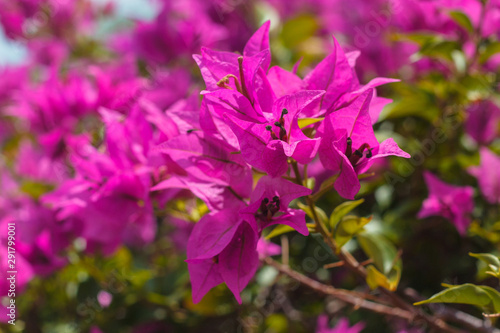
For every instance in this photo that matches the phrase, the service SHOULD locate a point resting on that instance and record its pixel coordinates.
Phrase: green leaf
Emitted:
(311, 227)
(440, 50)
(492, 261)
(482, 296)
(304, 122)
(376, 279)
(341, 210)
(413, 101)
(348, 227)
(35, 189)
(488, 258)
(298, 30)
(462, 19)
(380, 250)
(488, 51)
(420, 38)
(140, 277)
(280, 229)
(319, 212)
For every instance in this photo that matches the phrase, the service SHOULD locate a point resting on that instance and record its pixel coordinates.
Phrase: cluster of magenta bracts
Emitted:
(70, 181)
(255, 110)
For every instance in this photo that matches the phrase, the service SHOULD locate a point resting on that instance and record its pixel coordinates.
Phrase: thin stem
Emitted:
(353, 298)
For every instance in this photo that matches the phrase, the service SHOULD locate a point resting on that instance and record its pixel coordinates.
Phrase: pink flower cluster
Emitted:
(102, 186)
(99, 145)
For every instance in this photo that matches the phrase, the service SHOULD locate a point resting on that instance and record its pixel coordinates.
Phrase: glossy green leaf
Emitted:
(482, 296)
(348, 227)
(280, 229)
(492, 261)
(341, 210)
(380, 250)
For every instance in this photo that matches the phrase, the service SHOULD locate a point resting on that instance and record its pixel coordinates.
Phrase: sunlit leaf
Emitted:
(492, 261)
(376, 279)
(280, 229)
(320, 213)
(341, 210)
(482, 296)
(348, 227)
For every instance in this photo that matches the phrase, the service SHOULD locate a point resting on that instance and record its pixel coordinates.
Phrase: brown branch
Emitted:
(356, 299)
(453, 315)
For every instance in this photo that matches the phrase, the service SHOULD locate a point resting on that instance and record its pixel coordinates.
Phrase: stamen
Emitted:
(276, 201)
(224, 83)
(273, 209)
(244, 90)
(358, 153)
(263, 206)
(283, 135)
(348, 150)
(268, 209)
(270, 129)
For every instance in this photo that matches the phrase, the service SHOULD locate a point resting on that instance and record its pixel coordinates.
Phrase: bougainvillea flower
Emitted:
(25, 271)
(216, 197)
(179, 29)
(221, 248)
(488, 175)
(209, 160)
(267, 146)
(243, 74)
(267, 248)
(109, 197)
(341, 327)
(452, 202)
(167, 87)
(283, 81)
(483, 121)
(55, 104)
(335, 74)
(349, 145)
(269, 205)
(33, 164)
